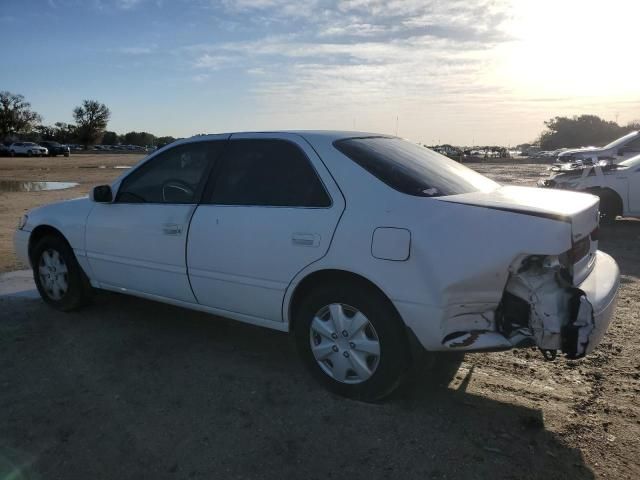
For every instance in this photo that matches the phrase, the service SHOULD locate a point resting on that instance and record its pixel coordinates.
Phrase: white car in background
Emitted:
(368, 249)
(27, 148)
(617, 185)
(617, 151)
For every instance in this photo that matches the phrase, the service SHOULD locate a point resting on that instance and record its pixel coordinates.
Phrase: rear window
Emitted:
(412, 169)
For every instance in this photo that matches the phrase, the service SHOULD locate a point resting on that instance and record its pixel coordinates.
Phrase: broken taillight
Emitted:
(579, 250)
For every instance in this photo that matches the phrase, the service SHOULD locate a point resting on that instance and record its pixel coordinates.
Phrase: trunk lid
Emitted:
(579, 209)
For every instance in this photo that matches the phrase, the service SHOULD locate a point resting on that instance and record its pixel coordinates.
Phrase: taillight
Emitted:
(579, 250)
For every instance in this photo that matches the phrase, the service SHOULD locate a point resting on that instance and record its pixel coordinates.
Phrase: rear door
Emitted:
(138, 242)
(270, 210)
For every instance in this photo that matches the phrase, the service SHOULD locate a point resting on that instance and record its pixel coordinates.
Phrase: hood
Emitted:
(579, 209)
(574, 151)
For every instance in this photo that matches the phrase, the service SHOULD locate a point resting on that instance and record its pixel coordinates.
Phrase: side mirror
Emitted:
(102, 194)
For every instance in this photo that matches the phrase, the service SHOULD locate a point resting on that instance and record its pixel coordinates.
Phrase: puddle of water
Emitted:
(20, 186)
(117, 167)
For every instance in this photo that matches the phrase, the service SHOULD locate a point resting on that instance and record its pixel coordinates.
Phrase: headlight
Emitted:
(23, 221)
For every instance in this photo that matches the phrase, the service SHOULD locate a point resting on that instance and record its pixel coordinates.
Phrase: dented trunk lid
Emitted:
(579, 209)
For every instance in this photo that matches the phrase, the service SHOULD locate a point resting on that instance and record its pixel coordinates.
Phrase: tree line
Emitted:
(581, 131)
(18, 121)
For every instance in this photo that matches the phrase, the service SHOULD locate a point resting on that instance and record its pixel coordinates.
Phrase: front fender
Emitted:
(68, 217)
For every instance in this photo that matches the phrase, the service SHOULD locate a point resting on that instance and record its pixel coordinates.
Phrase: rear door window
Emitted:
(267, 172)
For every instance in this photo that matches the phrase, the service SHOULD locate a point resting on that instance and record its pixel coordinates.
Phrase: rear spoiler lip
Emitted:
(551, 216)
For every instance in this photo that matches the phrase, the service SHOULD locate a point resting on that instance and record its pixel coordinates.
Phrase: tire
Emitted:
(12, 153)
(29, 153)
(66, 154)
(610, 207)
(347, 362)
(64, 291)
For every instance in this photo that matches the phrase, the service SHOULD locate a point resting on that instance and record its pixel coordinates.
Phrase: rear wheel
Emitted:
(58, 276)
(352, 340)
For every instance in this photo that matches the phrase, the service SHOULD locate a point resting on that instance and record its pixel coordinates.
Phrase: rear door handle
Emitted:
(172, 229)
(306, 239)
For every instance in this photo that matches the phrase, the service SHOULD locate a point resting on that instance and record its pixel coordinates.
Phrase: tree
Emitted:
(91, 121)
(45, 133)
(585, 130)
(162, 141)
(110, 138)
(139, 138)
(64, 132)
(16, 116)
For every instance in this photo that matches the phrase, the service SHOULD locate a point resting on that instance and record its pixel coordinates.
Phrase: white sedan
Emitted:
(367, 248)
(617, 185)
(27, 148)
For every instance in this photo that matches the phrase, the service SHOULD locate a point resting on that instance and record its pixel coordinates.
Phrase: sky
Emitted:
(466, 72)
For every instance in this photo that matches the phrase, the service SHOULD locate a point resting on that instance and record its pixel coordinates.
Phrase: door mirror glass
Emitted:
(102, 194)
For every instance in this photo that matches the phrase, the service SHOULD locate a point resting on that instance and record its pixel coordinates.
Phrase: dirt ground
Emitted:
(133, 389)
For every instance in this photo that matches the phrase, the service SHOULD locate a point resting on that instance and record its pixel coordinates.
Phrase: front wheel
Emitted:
(352, 340)
(610, 207)
(58, 276)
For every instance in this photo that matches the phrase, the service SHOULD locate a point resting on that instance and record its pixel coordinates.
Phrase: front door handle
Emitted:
(172, 229)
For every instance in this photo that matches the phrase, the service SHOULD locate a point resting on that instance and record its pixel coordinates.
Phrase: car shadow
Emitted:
(620, 240)
(129, 388)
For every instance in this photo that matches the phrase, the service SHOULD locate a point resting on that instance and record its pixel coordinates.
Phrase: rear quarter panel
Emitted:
(459, 254)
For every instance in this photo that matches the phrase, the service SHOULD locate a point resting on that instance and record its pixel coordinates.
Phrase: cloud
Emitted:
(362, 53)
(127, 4)
(213, 62)
(137, 50)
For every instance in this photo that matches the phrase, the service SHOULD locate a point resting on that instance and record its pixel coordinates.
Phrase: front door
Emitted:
(634, 190)
(137, 243)
(270, 210)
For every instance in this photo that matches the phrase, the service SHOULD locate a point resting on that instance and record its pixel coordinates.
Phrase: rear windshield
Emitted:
(412, 169)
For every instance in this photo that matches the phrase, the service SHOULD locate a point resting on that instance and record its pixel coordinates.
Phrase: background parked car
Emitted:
(27, 148)
(4, 150)
(617, 151)
(617, 185)
(56, 149)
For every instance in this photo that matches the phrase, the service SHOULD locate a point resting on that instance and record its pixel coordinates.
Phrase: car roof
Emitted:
(330, 135)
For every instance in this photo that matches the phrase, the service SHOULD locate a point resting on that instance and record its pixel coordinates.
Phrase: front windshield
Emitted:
(413, 169)
(621, 140)
(632, 162)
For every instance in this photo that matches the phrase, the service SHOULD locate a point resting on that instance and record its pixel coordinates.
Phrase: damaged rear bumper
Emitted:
(601, 288)
(540, 308)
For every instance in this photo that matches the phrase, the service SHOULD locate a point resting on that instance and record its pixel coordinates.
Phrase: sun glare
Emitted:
(574, 48)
